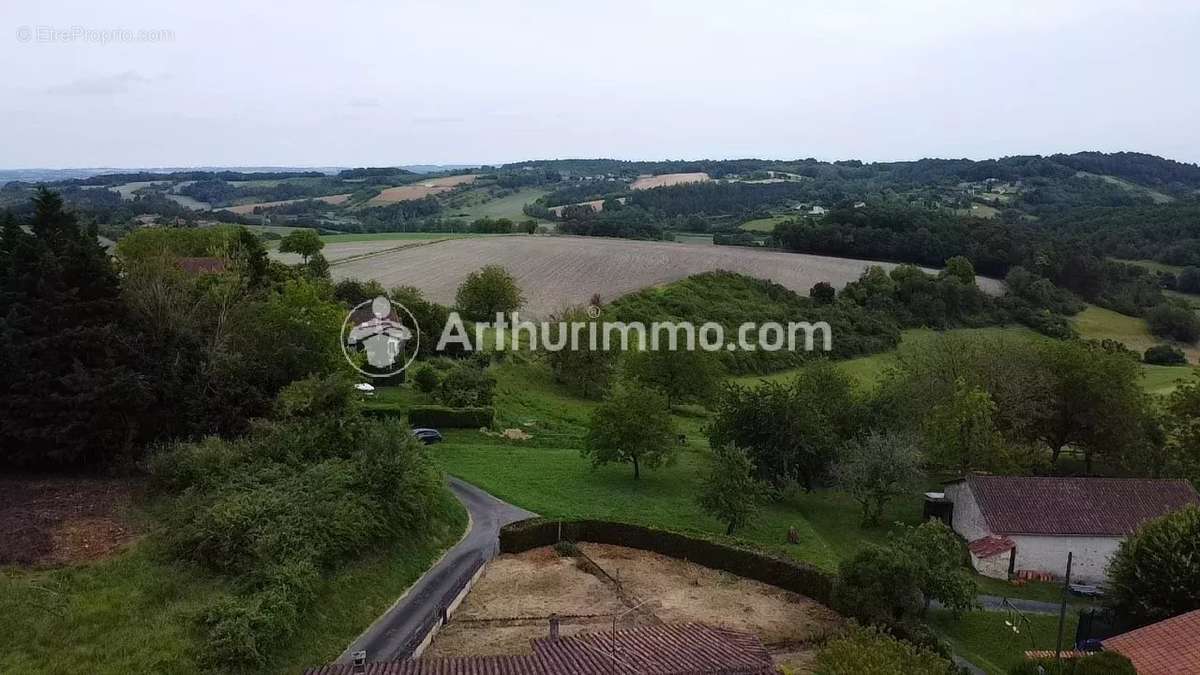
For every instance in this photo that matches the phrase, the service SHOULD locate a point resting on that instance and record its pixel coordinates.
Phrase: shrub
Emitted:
(451, 418)
(879, 586)
(465, 386)
(426, 378)
(1155, 573)
(869, 651)
(1165, 355)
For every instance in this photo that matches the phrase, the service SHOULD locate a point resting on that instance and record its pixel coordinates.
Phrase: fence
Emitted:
(440, 615)
(787, 574)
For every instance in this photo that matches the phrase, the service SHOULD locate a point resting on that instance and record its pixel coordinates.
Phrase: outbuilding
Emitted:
(1025, 526)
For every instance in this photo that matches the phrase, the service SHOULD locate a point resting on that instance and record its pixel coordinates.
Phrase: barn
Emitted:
(1026, 525)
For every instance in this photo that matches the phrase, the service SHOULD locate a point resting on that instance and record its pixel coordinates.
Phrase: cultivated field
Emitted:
(249, 208)
(345, 250)
(513, 600)
(557, 271)
(663, 180)
(433, 186)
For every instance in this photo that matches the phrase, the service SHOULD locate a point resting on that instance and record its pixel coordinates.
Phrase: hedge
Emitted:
(453, 418)
(784, 573)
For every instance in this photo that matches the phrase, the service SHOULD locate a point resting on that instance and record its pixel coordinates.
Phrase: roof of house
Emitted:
(202, 265)
(1170, 647)
(1075, 506)
(670, 649)
(986, 547)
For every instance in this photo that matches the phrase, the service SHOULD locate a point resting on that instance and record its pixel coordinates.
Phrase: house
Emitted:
(1026, 525)
(669, 649)
(1170, 647)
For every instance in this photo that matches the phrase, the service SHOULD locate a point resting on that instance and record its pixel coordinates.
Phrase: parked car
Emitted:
(427, 436)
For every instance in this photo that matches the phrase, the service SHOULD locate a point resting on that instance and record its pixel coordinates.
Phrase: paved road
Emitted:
(384, 639)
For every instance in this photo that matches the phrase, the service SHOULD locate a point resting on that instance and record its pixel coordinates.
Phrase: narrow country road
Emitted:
(384, 639)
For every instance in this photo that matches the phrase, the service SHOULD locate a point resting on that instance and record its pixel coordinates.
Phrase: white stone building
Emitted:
(1025, 526)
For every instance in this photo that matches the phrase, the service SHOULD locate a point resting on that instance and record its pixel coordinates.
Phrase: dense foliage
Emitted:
(870, 651)
(1155, 573)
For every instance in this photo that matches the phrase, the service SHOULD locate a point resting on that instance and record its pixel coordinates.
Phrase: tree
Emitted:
(791, 430)
(489, 291)
(585, 369)
(960, 268)
(426, 378)
(877, 467)
(1155, 573)
(960, 433)
(306, 243)
(822, 293)
(466, 386)
(940, 557)
(1175, 322)
(1181, 456)
(1165, 355)
(632, 426)
(73, 391)
(680, 374)
(729, 492)
(870, 651)
(879, 586)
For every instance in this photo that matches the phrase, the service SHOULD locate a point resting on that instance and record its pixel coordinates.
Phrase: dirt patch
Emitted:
(433, 186)
(512, 602)
(663, 180)
(55, 521)
(684, 592)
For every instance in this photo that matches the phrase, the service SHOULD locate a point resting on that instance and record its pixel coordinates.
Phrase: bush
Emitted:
(438, 416)
(879, 586)
(1155, 573)
(276, 509)
(1165, 355)
(426, 378)
(1100, 663)
(466, 386)
(869, 651)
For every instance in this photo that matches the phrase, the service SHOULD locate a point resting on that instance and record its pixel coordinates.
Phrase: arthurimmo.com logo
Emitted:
(383, 331)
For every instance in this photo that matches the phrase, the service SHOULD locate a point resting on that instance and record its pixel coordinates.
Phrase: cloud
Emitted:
(103, 85)
(364, 102)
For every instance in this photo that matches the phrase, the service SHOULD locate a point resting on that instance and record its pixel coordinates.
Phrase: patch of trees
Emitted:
(101, 364)
(630, 222)
(373, 172)
(585, 191)
(1136, 167)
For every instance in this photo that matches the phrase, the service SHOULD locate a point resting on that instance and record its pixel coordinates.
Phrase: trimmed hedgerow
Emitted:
(784, 573)
(450, 418)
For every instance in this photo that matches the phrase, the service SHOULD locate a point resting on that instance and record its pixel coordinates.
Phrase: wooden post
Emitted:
(1062, 610)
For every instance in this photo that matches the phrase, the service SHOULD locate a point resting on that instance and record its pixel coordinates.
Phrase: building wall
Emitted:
(1049, 554)
(968, 521)
(995, 567)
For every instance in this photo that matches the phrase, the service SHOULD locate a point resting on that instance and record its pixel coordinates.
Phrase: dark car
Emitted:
(428, 436)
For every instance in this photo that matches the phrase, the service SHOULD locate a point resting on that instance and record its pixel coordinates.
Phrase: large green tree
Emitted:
(680, 374)
(1156, 572)
(72, 391)
(876, 468)
(489, 291)
(631, 426)
(305, 242)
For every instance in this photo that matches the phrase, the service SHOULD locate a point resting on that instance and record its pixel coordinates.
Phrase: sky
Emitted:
(356, 83)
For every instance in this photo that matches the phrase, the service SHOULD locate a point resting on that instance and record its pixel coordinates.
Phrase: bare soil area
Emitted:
(512, 602)
(663, 180)
(556, 271)
(433, 186)
(55, 520)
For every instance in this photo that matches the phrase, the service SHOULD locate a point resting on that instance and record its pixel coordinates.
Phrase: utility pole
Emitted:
(1062, 610)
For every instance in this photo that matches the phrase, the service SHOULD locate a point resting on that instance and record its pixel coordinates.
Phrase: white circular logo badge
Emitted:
(375, 328)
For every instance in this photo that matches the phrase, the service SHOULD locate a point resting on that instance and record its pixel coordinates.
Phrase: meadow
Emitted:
(766, 225)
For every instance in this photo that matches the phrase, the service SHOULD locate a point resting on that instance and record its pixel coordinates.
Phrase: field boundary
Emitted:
(401, 247)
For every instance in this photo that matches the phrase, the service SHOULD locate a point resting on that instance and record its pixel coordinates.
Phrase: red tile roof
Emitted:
(1170, 647)
(1075, 506)
(672, 649)
(202, 265)
(986, 547)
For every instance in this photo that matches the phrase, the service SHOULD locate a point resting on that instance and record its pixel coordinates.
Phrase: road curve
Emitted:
(384, 639)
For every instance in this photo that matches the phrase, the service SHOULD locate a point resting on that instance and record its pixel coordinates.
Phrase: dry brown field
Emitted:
(555, 271)
(433, 186)
(663, 180)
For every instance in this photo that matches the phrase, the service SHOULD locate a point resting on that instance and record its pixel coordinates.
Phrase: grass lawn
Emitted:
(983, 639)
(1097, 323)
(766, 225)
(137, 612)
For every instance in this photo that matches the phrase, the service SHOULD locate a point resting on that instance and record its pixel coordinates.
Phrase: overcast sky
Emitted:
(307, 83)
